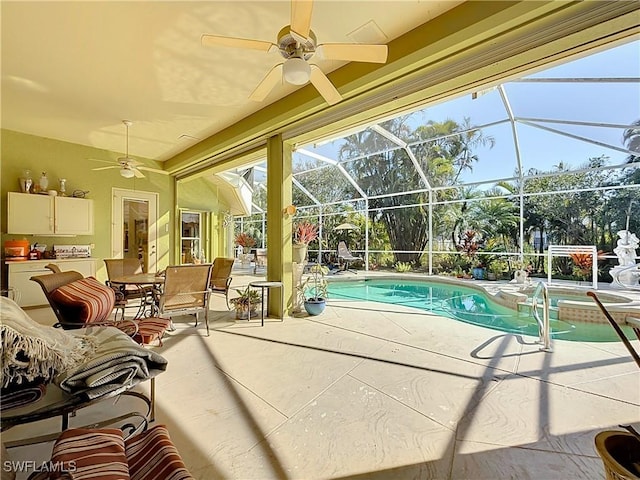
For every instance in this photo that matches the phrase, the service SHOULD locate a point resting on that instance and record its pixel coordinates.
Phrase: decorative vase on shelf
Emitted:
(63, 187)
(26, 181)
(44, 182)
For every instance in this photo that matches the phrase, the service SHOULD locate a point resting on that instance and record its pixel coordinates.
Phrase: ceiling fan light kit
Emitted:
(127, 173)
(298, 44)
(296, 71)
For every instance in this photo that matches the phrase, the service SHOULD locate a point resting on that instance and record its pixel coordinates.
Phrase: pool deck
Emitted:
(366, 391)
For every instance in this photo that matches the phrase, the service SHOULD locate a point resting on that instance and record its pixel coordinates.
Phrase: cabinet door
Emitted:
(29, 293)
(30, 214)
(74, 216)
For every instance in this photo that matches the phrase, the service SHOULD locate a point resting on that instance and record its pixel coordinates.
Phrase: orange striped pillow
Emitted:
(152, 455)
(87, 300)
(96, 454)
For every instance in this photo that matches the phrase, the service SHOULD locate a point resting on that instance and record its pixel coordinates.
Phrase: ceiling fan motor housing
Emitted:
(292, 48)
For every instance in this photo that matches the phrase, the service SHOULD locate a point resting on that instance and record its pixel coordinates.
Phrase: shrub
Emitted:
(403, 267)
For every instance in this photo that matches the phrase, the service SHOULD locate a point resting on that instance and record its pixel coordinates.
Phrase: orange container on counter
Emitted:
(16, 249)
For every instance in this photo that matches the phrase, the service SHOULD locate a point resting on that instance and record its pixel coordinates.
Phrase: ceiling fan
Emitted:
(298, 44)
(129, 167)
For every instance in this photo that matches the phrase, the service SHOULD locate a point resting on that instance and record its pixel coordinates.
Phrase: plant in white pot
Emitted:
(313, 290)
(246, 303)
(303, 234)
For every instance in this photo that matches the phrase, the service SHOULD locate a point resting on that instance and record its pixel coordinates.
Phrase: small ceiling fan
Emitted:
(298, 44)
(129, 167)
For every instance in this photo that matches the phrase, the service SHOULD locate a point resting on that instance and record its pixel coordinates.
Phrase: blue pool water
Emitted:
(466, 305)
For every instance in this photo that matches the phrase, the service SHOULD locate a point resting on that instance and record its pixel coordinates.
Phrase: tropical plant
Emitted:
(314, 286)
(248, 299)
(403, 267)
(498, 267)
(245, 240)
(305, 232)
(469, 244)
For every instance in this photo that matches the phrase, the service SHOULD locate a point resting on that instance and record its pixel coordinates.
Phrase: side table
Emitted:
(262, 285)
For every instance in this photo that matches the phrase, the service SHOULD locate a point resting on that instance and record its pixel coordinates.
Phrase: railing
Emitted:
(566, 251)
(544, 327)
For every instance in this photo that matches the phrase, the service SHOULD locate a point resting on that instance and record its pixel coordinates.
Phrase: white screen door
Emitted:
(134, 230)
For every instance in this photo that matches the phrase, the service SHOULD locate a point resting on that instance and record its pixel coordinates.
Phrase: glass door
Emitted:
(191, 237)
(134, 229)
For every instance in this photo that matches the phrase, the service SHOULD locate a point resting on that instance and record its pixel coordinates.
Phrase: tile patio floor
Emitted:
(365, 393)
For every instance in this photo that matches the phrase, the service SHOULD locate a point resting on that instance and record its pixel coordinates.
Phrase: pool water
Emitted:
(466, 305)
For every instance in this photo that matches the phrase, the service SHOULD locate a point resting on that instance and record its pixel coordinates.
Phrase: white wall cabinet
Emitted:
(29, 293)
(48, 215)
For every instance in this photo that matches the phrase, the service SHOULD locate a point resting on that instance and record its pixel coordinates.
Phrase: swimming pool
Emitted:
(465, 304)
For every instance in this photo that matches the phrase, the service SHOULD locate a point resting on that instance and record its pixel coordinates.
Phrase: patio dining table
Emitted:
(148, 285)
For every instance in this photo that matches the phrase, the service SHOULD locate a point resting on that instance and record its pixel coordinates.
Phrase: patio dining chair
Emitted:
(345, 256)
(186, 291)
(221, 276)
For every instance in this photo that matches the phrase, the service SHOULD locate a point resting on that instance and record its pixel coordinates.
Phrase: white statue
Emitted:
(626, 249)
(624, 274)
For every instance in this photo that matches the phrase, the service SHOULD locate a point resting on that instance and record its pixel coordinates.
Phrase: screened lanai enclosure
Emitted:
(491, 178)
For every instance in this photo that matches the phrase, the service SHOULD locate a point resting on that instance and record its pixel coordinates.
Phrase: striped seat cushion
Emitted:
(96, 454)
(153, 456)
(150, 329)
(86, 300)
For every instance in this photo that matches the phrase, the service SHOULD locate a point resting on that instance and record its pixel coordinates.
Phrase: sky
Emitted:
(600, 102)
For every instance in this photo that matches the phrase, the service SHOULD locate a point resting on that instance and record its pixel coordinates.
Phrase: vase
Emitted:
(299, 253)
(44, 182)
(315, 306)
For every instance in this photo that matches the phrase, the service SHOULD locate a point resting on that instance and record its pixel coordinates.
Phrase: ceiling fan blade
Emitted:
(154, 170)
(100, 160)
(353, 52)
(301, 17)
(137, 173)
(106, 168)
(220, 41)
(324, 86)
(268, 83)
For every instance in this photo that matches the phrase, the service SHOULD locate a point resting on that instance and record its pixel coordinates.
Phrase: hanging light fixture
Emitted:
(296, 71)
(127, 173)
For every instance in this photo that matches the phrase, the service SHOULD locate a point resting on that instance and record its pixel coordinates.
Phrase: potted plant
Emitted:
(469, 245)
(303, 234)
(245, 241)
(496, 267)
(246, 303)
(313, 290)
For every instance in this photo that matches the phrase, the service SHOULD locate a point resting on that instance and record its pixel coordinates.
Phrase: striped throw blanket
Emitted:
(116, 363)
